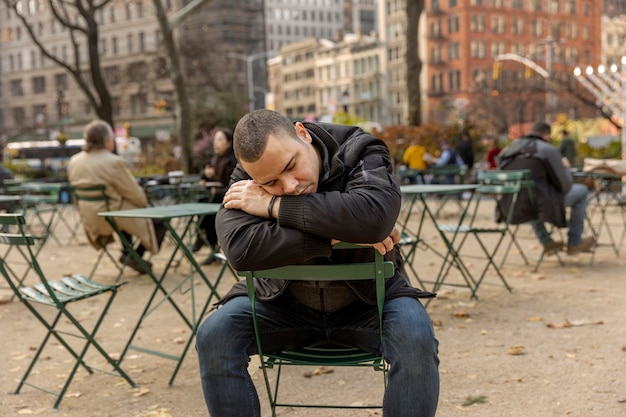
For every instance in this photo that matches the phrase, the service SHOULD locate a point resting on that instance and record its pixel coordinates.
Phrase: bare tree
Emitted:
(79, 17)
(184, 116)
(414, 9)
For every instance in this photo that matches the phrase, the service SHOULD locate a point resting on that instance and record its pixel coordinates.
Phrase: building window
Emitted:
(60, 81)
(137, 71)
(19, 116)
(16, 88)
(39, 85)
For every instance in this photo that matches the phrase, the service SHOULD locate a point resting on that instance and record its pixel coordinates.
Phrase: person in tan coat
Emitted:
(98, 165)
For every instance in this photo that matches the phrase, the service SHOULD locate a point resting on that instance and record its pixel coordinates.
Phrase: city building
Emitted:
(39, 98)
(315, 78)
(466, 38)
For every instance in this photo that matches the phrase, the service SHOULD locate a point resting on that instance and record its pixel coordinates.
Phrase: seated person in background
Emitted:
(413, 157)
(448, 157)
(219, 171)
(554, 189)
(493, 151)
(98, 165)
(297, 191)
(171, 163)
(465, 150)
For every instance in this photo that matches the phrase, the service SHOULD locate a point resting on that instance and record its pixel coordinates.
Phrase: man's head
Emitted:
(277, 154)
(99, 135)
(542, 130)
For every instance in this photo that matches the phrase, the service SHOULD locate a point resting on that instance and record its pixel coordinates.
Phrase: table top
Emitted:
(436, 188)
(165, 212)
(5, 198)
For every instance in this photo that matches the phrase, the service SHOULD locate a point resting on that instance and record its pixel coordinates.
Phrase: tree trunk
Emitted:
(414, 9)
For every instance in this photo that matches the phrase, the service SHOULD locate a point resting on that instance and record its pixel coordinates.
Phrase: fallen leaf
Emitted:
(516, 350)
(461, 314)
(534, 318)
(141, 391)
(179, 340)
(323, 370)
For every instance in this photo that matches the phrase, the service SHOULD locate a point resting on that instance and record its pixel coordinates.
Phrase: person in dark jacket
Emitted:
(554, 189)
(218, 171)
(296, 191)
(465, 150)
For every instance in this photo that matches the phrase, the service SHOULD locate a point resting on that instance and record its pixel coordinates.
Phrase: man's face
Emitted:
(288, 166)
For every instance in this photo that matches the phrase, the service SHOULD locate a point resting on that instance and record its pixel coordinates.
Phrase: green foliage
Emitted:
(343, 118)
(20, 168)
(399, 137)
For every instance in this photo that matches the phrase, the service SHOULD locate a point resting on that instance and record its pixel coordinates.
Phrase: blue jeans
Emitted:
(576, 200)
(225, 341)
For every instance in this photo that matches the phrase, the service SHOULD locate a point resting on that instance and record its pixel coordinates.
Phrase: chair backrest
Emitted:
(20, 239)
(507, 183)
(457, 171)
(89, 193)
(377, 270)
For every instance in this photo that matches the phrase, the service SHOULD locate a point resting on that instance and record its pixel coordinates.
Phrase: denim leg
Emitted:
(539, 228)
(576, 200)
(226, 340)
(409, 345)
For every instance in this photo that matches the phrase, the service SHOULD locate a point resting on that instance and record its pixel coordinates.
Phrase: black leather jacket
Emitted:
(356, 178)
(552, 180)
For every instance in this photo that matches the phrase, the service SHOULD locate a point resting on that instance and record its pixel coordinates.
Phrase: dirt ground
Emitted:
(554, 346)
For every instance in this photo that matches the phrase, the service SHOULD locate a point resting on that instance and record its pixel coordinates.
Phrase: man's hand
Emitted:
(248, 196)
(382, 247)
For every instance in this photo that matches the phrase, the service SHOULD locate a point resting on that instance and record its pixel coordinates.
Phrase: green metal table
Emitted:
(191, 214)
(414, 193)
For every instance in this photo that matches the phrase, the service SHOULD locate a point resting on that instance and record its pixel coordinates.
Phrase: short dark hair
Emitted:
(253, 130)
(96, 134)
(540, 129)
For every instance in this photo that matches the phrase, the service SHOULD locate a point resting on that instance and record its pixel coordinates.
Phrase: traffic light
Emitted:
(161, 106)
(496, 70)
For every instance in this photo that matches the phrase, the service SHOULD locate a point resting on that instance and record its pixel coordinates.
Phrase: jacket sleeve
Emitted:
(362, 209)
(558, 173)
(125, 184)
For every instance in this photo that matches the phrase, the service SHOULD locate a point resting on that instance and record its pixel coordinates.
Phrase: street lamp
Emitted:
(609, 87)
(345, 100)
(249, 60)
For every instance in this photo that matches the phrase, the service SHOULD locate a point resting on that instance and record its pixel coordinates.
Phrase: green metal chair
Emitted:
(493, 185)
(58, 295)
(448, 174)
(526, 192)
(377, 270)
(90, 194)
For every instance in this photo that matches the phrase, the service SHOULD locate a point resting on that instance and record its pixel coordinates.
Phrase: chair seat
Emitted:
(67, 289)
(324, 355)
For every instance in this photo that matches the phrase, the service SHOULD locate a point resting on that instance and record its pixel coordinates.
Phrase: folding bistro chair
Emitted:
(90, 194)
(328, 355)
(526, 192)
(447, 174)
(58, 294)
(493, 184)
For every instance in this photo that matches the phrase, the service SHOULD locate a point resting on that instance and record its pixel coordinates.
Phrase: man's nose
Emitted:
(290, 185)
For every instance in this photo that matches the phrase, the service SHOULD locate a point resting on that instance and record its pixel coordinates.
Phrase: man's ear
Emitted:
(303, 133)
